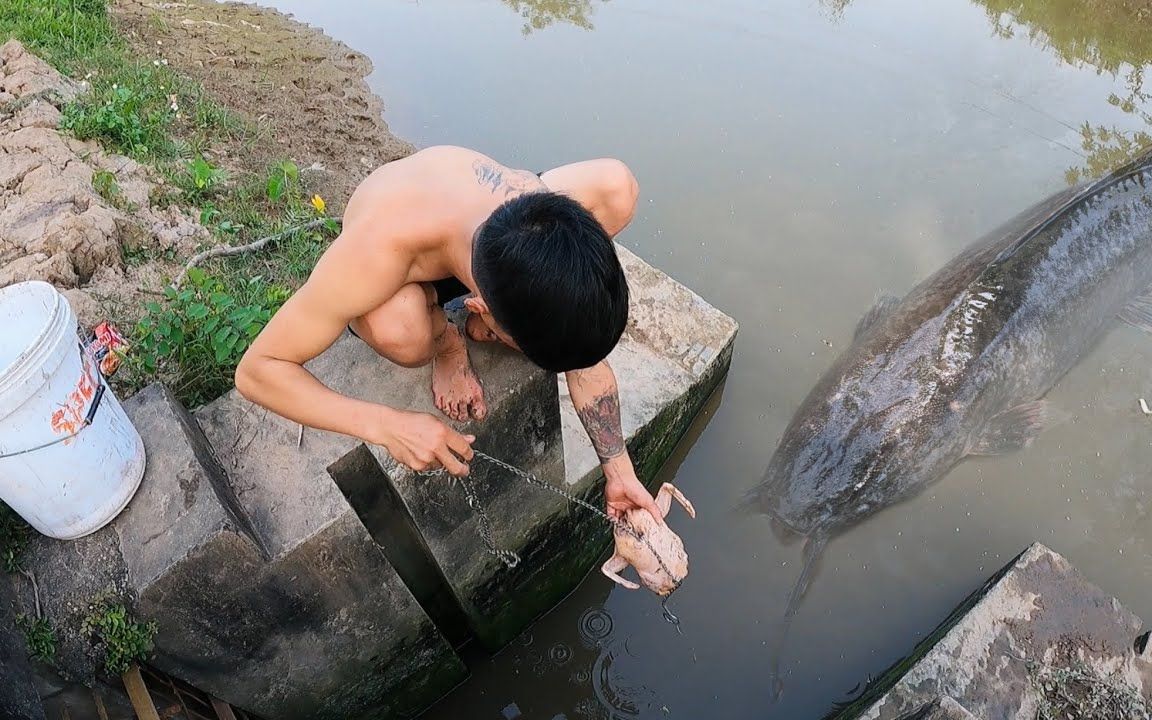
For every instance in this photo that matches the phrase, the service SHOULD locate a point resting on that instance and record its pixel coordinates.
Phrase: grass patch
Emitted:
(135, 106)
(1078, 691)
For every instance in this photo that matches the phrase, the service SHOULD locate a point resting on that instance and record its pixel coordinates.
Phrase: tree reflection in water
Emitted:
(539, 14)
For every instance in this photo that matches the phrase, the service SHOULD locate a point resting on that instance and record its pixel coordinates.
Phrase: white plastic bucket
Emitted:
(65, 487)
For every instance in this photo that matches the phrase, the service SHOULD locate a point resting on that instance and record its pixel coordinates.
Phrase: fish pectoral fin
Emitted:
(1138, 313)
(1013, 429)
(876, 314)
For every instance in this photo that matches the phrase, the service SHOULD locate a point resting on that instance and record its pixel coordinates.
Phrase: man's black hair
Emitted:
(550, 275)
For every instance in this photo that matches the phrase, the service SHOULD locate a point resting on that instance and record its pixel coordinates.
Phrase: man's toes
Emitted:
(479, 408)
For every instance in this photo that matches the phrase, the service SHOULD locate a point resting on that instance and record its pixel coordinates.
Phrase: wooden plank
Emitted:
(223, 710)
(138, 694)
(100, 709)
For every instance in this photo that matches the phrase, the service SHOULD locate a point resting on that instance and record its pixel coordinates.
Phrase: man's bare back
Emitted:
(410, 224)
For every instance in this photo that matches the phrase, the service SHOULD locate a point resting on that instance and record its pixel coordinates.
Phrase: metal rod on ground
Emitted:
(138, 693)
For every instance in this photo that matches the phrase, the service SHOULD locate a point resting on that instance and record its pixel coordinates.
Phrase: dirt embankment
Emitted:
(304, 90)
(54, 224)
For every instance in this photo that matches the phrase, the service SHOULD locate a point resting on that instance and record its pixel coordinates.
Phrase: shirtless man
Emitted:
(534, 256)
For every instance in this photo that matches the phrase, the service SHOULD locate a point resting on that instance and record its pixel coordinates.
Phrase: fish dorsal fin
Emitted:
(879, 311)
(1138, 313)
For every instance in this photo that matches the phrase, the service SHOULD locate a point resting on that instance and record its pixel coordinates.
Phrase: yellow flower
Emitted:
(319, 204)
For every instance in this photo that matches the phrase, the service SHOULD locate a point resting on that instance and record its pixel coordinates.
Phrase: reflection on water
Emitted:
(539, 14)
(835, 8)
(798, 159)
(1112, 36)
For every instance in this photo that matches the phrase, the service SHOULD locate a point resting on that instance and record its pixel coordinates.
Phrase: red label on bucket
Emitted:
(70, 417)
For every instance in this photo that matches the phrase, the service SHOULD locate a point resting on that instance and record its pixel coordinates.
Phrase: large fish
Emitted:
(961, 364)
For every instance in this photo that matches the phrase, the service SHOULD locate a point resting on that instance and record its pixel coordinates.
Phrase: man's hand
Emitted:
(422, 442)
(624, 492)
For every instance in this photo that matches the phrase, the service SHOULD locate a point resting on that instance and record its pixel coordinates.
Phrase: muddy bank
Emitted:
(54, 223)
(305, 91)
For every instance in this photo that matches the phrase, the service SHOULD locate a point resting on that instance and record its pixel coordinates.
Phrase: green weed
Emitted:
(105, 185)
(284, 182)
(39, 636)
(126, 642)
(125, 119)
(200, 179)
(196, 336)
(13, 539)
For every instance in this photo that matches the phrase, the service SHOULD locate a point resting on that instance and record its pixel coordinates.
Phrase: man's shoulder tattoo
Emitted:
(501, 180)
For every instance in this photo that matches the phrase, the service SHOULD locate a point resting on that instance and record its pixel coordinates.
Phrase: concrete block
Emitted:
(188, 503)
(522, 429)
(305, 628)
(18, 697)
(341, 634)
(1037, 613)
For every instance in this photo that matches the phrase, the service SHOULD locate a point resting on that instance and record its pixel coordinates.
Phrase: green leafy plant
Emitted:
(125, 641)
(201, 179)
(39, 636)
(283, 182)
(13, 539)
(198, 334)
(105, 185)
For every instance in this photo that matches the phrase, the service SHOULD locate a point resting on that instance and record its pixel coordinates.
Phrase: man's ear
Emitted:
(476, 304)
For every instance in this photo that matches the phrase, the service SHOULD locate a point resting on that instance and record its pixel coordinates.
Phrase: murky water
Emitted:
(797, 159)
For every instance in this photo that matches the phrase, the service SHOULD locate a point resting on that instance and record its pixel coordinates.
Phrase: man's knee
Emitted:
(403, 330)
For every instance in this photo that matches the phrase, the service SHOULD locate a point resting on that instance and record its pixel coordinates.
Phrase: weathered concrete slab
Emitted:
(289, 494)
(523, 429)
(320, 580)
(1036, 615)
(18, 697)
(326, 629)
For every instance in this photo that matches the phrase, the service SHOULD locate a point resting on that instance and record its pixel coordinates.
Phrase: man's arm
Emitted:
(346, 283)
(597, 401)
(609, 190)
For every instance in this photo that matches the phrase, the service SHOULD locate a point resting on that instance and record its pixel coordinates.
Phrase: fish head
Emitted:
(875, 429)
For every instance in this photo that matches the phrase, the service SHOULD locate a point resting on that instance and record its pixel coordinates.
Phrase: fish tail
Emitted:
(813, 550)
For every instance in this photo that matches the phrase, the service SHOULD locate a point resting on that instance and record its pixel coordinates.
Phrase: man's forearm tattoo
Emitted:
(499, 179)
(601, 418)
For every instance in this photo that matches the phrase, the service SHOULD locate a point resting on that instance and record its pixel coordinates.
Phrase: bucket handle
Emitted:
(89, 417)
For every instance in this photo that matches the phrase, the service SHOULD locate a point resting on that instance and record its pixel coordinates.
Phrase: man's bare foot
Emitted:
(478, 330)
(455, 387)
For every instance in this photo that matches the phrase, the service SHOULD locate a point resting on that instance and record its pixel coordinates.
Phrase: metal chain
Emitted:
(510, 558)
(507, 557)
